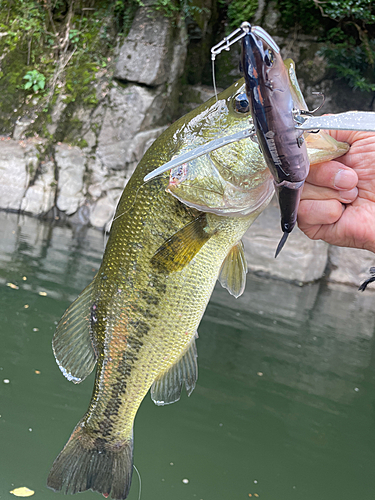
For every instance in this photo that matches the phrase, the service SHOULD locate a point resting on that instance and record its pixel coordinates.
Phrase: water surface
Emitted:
(284, 405)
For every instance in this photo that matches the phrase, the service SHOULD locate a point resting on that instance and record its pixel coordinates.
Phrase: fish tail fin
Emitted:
(92, 463)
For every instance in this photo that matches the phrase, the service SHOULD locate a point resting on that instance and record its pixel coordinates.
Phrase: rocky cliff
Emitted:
(74, 165)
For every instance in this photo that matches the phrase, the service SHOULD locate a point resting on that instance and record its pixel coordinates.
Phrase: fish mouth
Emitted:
(228, 199)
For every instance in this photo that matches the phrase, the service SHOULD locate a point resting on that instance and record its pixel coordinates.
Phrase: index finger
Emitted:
(332, 174)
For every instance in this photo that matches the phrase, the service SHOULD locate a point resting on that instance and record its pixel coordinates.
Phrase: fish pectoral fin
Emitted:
(176, 252)
(167, 388)
(72, 343)
(233, 271)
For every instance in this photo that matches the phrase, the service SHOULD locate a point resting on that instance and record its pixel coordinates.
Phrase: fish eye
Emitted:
(268, 57)
(241, 103)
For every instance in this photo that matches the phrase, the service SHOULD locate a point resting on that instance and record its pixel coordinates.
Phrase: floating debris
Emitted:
(26, 306)
(24, 278)
(43, 294)
(37, 372)
(260, 374)
(13, 286)
(356, 389)
(22, 492)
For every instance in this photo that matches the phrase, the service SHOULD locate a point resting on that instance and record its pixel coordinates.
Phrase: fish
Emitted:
(273, 111)
(137, 320)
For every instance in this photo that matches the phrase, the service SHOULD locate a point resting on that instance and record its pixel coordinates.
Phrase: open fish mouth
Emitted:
(208, 191)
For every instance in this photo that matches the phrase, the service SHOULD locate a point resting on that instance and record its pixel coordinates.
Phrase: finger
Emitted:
(332, 174)
(313, 212)
(312, 192)
(350, 136)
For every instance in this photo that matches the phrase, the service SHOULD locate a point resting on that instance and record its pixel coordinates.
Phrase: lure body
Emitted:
(272, 108)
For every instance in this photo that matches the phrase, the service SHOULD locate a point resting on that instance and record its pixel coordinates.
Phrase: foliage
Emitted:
(124, 11)
(346, 29)
(35, 80)
(54, 46)
(241, 10)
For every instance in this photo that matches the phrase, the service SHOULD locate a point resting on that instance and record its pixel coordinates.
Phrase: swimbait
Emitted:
(272, 107)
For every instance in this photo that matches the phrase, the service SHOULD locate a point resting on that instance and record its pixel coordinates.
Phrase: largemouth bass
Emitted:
(138, 319)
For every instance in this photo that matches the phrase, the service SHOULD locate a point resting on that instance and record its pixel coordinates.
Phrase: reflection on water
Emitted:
(284, 406)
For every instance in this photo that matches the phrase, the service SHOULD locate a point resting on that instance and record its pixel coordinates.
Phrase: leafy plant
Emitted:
(74, 35)
(35, 80)
(347, 30)
(241, 10)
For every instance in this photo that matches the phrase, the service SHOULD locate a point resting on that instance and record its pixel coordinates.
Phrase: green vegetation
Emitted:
(35, 80)
(241, 10)
(50, 48)
(347, 30)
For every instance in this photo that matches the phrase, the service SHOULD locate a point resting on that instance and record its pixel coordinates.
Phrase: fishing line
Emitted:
(213, 76)
(140, 481)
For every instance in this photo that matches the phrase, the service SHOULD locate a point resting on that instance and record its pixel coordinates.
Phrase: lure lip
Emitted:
(199, 151)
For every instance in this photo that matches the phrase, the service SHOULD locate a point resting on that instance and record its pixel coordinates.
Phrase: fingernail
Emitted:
(349, 196)
(344, 179)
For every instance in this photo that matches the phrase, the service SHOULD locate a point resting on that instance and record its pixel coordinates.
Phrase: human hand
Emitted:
(338, 200)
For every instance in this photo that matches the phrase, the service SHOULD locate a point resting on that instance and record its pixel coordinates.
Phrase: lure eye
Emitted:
(241, 103)
(268, 57)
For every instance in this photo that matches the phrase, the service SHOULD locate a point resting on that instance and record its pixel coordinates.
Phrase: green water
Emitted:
(284, 407)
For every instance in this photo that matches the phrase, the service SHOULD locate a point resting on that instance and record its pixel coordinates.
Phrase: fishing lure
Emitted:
(273, 112)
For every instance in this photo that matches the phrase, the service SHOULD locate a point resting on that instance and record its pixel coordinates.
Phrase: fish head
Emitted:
(231, 180)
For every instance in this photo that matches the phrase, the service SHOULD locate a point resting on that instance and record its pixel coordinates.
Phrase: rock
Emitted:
(123, 118)
(40, 196)
(195, 95)
(153, 52)
(301, 260)
(81, 217)
(22, 124)
(56, 114)
(104, 209)
(350, 265)
(130, 110)
(14, 174)
(71, 167)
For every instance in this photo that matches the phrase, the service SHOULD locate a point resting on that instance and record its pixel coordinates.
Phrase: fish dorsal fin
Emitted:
(176, 252)
(233, 271)
(167, 388)
(72, 343)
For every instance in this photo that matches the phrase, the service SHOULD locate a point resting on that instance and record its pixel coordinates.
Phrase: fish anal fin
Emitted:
(72, 343)
(176, 252)
(233, 271)
(167, 388)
